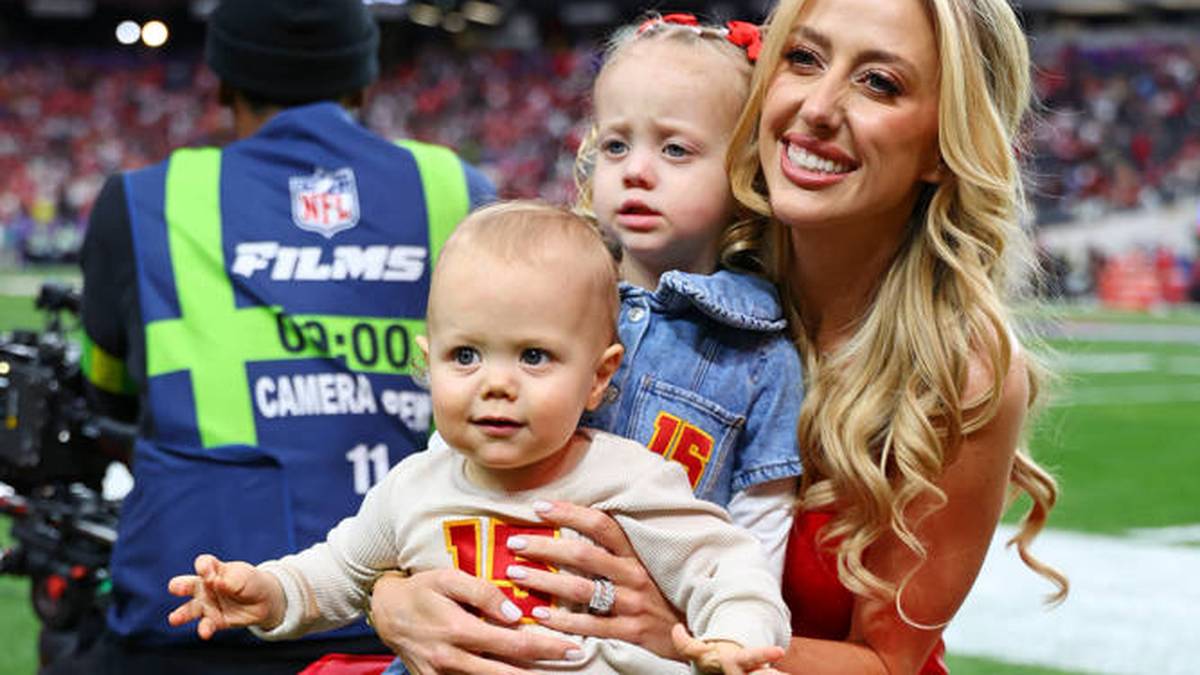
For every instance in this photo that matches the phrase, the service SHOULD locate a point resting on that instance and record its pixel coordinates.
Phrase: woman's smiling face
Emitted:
(849, 125)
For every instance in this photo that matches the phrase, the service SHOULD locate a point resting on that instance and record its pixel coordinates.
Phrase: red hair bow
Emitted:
(747, 36)
(680, 18)
(740, 33)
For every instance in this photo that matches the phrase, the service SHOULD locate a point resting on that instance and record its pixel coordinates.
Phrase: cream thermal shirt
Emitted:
(426, 514)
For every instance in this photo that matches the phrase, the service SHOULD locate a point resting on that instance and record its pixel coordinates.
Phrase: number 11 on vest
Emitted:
(369, 464)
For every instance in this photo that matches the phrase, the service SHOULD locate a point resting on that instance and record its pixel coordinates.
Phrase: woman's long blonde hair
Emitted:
(885, 412)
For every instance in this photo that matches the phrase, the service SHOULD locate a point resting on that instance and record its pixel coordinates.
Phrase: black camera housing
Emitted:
(44, 433)
(52, 465)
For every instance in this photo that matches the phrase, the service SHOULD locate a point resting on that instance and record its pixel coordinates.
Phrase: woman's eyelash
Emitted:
(876, 81)
(881, 83)
(801, 56)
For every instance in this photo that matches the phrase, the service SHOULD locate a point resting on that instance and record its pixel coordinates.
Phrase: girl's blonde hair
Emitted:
(885, 413)
(740, 242)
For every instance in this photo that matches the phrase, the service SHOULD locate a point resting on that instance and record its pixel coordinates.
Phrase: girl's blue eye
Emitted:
(465, 356)
(613, 147)
(534, 356)
(675, 151)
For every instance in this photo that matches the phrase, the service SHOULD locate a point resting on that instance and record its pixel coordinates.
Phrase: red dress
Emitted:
(820, 605)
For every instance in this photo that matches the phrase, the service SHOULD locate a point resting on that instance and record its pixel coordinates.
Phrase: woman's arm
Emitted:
(956, 537)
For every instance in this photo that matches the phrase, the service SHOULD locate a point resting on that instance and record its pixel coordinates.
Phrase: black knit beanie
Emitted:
(293, 51)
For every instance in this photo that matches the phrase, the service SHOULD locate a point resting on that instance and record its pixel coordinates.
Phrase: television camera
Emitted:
(53, 457)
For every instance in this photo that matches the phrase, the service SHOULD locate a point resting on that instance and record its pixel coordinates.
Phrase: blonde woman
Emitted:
(879, 141)
(879, 146)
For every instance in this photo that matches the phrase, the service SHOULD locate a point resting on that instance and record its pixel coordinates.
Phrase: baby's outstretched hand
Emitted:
(721, 656)
(226, 595)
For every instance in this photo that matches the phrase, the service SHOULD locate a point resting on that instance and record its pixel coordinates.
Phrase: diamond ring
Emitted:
(604, 594)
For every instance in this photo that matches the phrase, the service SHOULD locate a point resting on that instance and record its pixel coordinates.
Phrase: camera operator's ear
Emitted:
(355, 100)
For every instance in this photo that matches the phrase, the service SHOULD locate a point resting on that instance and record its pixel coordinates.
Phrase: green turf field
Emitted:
(1110, 436)
(1120, 433)
(18, 626)
(17, 312)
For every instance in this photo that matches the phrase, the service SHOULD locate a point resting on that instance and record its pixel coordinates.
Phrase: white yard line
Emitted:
(1106, 362)
(1173, 536)
(29, 284)
(1134, 607)
(1102, 331)
(1125, 362)
(1146, 394)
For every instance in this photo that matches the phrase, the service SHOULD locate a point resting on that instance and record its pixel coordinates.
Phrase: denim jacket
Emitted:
(709, 379)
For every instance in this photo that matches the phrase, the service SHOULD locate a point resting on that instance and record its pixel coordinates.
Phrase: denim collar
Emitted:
(734, 299)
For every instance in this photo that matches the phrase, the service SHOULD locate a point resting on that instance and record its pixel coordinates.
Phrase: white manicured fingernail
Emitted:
(542, 506)
(574, 655)
(510, 611)
(517, 543)
(515, 572)
(540, 613)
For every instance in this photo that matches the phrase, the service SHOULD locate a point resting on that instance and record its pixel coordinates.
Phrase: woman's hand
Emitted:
(640, 613)
(421, 619)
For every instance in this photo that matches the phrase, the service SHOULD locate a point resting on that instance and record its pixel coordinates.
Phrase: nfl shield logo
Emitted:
(325, 202)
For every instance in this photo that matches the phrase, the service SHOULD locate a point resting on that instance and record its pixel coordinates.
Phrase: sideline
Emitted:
(1132, 608)
(26, 284)
(1126, 394)
(1111, 331)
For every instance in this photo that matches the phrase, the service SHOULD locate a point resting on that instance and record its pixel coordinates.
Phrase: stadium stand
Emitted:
(1121, 125)
(1119, 130)
(69, 118)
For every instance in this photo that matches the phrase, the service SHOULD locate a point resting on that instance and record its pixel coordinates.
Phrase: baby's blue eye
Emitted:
(465, 356)
(534, 356)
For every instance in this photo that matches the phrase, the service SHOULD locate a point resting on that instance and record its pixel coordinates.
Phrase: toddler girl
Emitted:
(710, 378)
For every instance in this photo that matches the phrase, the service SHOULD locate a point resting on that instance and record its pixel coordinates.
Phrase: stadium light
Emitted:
(425, 15)
(155, 33)
(482, 12)
(128, 32)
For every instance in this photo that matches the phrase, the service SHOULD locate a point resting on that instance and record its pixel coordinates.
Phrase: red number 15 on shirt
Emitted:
(483, 554)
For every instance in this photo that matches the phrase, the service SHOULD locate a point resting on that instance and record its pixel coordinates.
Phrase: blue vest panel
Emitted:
(280, 291)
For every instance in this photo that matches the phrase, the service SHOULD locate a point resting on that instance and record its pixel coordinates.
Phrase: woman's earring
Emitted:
(938, 174)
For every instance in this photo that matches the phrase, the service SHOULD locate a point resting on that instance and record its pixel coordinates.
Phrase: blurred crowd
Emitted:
(1119, 126)
(68, 119)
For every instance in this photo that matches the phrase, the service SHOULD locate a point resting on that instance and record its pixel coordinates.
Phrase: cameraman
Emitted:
(253, 308)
